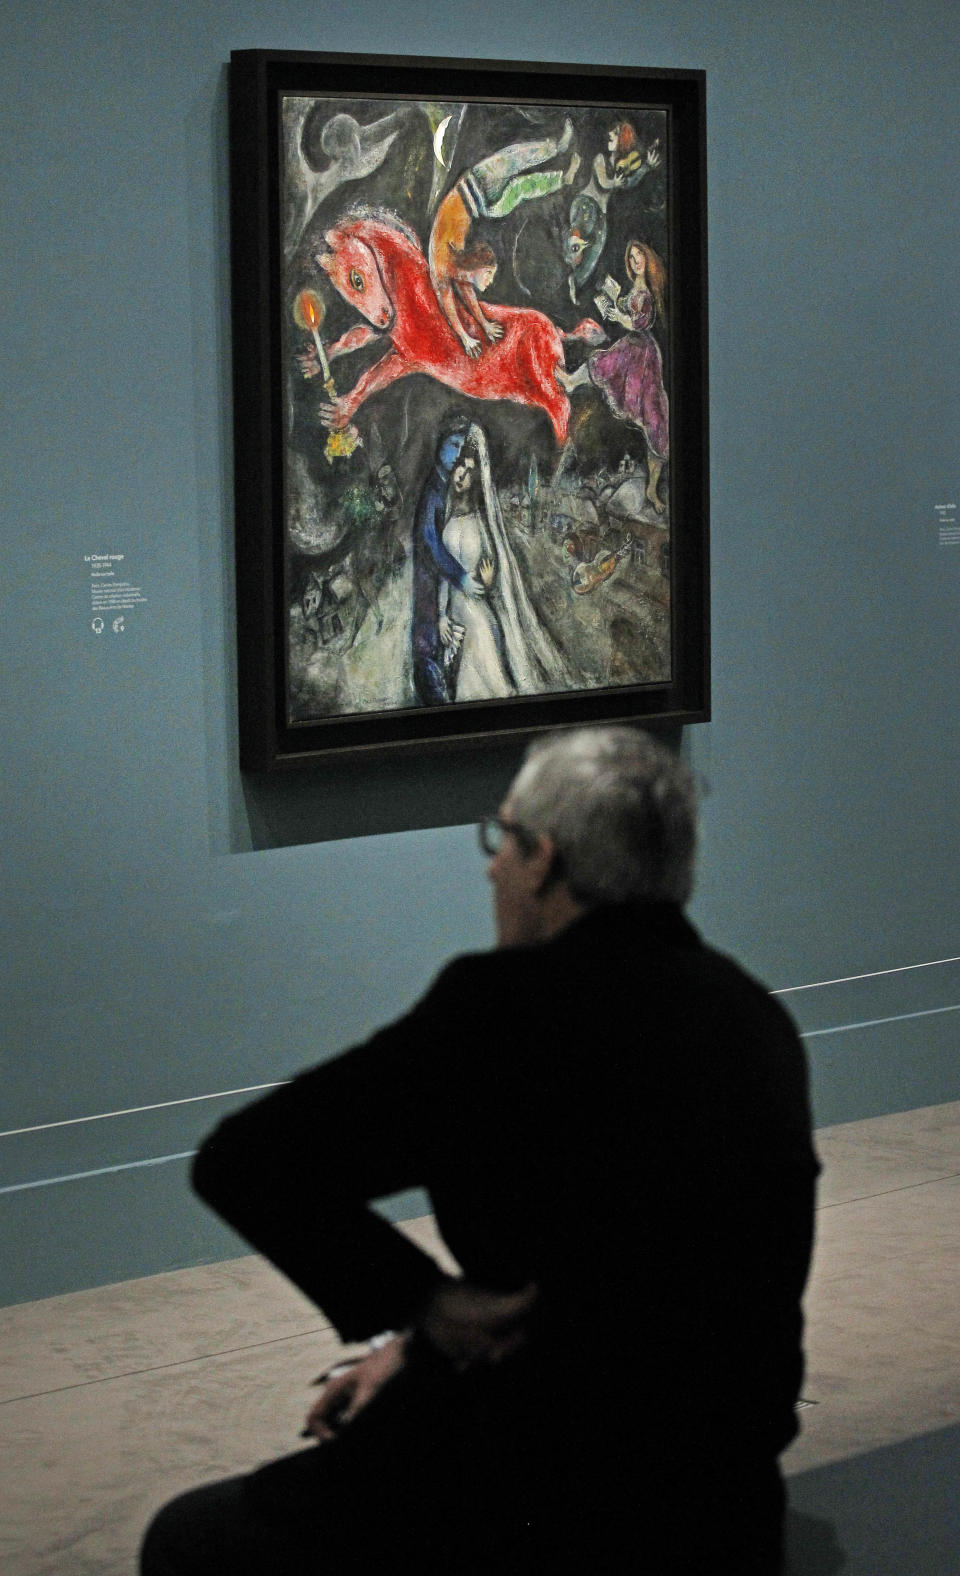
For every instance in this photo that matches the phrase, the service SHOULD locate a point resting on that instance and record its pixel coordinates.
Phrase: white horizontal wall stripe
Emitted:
(849, 979)
(134, 1110)
(102, 1171)
(872, 1023)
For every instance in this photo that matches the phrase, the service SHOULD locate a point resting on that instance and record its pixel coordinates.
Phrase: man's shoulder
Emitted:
(650, 955)
(609, 934)
(499, 985)
(723, 975)
(491, 968)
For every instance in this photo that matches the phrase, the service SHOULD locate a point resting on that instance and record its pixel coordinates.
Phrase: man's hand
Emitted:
(470, 1325)
(347, 1393)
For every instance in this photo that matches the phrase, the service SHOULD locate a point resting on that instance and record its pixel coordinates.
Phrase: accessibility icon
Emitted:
(118, 625)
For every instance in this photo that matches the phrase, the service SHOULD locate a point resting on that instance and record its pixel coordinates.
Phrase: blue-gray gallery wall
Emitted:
(171, 931)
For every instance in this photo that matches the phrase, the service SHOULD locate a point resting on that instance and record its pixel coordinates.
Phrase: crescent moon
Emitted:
(439, 135)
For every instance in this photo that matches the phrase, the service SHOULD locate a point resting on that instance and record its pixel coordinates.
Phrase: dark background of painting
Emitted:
(402, 424)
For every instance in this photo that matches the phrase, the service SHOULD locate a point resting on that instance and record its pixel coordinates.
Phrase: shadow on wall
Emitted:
(400, 790)
(365, 794)
(892, 1512)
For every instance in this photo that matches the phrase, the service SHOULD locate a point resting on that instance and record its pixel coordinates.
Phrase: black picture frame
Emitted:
(330, 540)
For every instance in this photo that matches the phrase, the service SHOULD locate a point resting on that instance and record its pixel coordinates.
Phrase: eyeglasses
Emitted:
(493, 829)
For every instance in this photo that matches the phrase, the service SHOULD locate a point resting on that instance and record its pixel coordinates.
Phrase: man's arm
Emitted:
(296, 1172)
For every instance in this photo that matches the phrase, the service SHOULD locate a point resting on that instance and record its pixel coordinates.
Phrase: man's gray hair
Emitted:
(621, 809)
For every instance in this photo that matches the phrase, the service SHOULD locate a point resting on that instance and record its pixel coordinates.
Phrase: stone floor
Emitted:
(112, 1400)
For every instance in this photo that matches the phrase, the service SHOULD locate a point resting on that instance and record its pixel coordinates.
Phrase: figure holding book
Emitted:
(629, 373)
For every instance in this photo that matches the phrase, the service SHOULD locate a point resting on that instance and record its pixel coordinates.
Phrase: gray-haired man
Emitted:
(612, 1122)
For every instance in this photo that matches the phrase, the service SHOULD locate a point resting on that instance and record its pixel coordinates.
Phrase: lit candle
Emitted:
(308, 314)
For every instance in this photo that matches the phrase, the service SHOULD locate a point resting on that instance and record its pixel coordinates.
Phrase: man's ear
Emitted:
(545, 863)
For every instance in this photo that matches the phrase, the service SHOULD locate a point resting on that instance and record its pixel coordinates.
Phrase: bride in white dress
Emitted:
(474, 638)
(491, 636)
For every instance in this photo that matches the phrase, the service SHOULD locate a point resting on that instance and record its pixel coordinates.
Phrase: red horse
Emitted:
(380, 269)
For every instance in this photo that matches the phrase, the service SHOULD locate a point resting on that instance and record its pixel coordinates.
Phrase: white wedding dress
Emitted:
(482, 674)
(504, 649)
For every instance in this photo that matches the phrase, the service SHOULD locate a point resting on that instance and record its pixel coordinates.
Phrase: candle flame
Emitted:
(308, 310)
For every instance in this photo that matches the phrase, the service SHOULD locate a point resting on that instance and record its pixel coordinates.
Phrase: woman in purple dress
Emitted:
(629, 374)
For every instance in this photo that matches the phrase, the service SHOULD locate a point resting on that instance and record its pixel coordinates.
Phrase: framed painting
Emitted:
(470, 398)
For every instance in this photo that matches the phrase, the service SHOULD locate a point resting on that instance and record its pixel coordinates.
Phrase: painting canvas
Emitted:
(465, 398)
